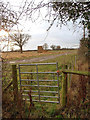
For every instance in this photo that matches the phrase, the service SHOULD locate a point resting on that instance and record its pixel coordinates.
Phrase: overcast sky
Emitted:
(66, 36)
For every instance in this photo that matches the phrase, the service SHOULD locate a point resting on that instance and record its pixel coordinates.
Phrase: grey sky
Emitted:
(66, 36)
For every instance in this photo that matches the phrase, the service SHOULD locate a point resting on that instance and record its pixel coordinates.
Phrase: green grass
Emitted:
(49, 108)
(46, 109)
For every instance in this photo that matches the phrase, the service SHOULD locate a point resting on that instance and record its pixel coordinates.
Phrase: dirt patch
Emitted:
(43, 58)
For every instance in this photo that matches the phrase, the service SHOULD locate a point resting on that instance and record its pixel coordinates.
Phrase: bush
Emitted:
(84, 50)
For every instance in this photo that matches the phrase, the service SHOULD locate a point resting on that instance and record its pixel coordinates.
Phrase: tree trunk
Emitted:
(21, 49)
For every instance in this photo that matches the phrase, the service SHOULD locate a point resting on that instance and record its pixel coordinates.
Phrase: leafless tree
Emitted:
(45, 46)
(60, 11)
(8, 17)
(53, 47)
(19, 39)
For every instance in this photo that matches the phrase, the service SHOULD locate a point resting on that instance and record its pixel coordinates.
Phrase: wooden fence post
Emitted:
(64, 89)
(69, 77)
(15, 83)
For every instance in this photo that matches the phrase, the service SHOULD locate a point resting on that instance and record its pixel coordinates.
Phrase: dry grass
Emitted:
(82, 66)
(30, 54)
(15, 55)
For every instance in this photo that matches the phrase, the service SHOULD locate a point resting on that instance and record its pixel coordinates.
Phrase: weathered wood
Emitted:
(8, 86)
(84, 73)
(15, 83)
(69, 77)
(65, 83)
(64, 89)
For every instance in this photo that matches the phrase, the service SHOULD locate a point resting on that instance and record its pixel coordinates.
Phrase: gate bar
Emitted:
(39, 85)
(43, 101)
(38, 72)
(40, 96)
(37, 64)
(41, 91)
(39, 80)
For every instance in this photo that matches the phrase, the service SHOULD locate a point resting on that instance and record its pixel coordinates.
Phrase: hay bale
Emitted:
(40, 49)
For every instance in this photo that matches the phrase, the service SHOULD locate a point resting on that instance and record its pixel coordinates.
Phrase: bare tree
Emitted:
(60, 11)
(8, 17)
(45, 46)
(53, 47)
(20, 40)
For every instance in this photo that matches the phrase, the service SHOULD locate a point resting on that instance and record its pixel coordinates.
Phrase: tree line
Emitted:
(53, 47)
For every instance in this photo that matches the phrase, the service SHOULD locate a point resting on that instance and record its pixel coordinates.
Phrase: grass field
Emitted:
(46, 110)
(32, 54)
